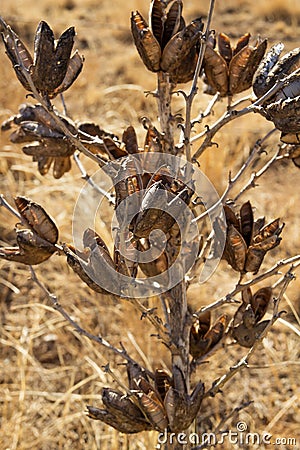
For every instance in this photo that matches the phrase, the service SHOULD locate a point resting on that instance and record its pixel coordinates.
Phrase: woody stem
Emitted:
(164, 88)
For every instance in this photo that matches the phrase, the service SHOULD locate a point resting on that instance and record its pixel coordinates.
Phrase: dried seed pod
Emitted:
(180, 47)
(174, 22)
(156, 19)
(243, 66)
(224, 46)
(16, 49)
(52, 71)
(163, 382)
(182, 408)
(130, 140)
(266, 65)
(151, 404)
(145, 42)
(235, 249)
(31, 250)
(50, 62)
(260, 302)
(120, 413)
(247, 221)
(203, 337)
(231, 70)
(247, 241)
(36, 218)
(247, 336)
(216, 71)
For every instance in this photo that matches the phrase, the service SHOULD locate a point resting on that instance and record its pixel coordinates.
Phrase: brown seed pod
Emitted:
(50, 61)
(163, 382)
(182, 408)
(174, 22)
(180, 47)
(130, 140)
(243, 66)
(36, 218)
(204, 337)
(31, 250)
(16, 49)
(236, 249)
(247, 221)
(260, 302)
(247, 336)
(145, 42)
(216, 71)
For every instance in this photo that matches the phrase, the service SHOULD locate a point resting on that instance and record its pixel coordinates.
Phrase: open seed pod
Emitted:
(167, 44)
(282, 108)
(93, 263)
(204, 336)
(230, 70)
(36, 242)
(247, 241)
(52, 69)
(246, 324)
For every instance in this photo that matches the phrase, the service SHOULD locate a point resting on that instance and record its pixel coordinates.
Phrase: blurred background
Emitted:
(49, 373)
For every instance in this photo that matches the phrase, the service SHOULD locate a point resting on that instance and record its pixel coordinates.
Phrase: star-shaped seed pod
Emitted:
(167, 44)
(204, 336)
(230, 70)
(36, 240)
(283, 107)
(247, 241)
(93, 263)
(47, 143)
(247, 325)
(52, 69)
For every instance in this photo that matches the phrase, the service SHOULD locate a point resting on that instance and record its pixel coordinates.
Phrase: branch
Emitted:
(234, 114)
(57, 306)
(233, 181)
(294, 261)
(218, 384)
(193, 91)
(48, 107)
(91, 182)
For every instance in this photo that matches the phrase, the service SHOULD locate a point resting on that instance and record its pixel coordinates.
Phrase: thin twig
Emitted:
(256, 175)
(229, 298)
(57, 306)
(6, 205)
(218, 384)
(233, 181)
(90, 181)
(232, 114)
(193, 91)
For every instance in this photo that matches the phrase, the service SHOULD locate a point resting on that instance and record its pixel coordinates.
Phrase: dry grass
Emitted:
(48, 372)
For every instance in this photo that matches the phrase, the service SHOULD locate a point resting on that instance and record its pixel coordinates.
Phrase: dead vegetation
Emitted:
(49, 371)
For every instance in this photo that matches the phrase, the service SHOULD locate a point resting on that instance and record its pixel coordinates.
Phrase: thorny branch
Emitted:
(233, 181)
(193, 91)
(218, 385)
(232, 114)
(229, 298)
